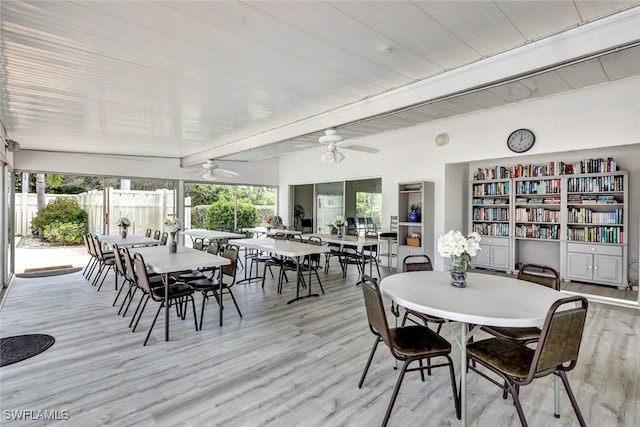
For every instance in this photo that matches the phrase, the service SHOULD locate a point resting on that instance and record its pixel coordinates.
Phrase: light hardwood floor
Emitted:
(281, 365)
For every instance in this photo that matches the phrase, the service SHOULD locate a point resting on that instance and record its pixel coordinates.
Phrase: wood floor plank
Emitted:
(280, 365)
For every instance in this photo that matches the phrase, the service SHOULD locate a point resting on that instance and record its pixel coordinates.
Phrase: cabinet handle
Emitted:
(595, 268)
(590, 267)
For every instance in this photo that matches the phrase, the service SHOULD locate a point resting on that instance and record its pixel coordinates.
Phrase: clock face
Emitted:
(521, 140)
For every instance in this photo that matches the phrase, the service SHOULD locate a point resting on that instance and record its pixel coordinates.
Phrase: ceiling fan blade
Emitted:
(362, 148)
(225, 172)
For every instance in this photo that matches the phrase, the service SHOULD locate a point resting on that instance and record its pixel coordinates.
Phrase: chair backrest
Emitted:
(362, 221)
(120, 267)
(130, 271)
(371, 249)
(352, 232)
(213, 247)
(97, 247)
(296, 237)
(540, 274)
(141, 273)
(148, 232)
(198, 243)
(163, 238)
(393, 224)
(89, 242)
(376, 314)
(231, 253)
(560, 338)
(280, 236)
(417, 263)
(156, 235)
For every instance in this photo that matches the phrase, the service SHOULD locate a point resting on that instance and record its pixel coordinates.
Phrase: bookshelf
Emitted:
(491, 218)
(417, 194)
(571, 216)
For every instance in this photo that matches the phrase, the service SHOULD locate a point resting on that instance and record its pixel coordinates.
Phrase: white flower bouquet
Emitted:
(123, 222)
(173, 225)
(455, 245)
(338, 221)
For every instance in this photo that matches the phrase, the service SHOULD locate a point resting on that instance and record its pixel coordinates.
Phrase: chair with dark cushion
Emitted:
(148, 233)
(350, 255)
(212, 285)
(156, 234)
(178, 294)
(407, 344)
(518, 365)
(106, 262)
(535, 273)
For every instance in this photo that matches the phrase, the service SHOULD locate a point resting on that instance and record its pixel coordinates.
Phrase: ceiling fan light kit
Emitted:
(212, 170)
(332, 141)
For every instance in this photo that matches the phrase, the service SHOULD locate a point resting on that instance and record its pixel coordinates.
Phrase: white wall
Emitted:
(594, 118)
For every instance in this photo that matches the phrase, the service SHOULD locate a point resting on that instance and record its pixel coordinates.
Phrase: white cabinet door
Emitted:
(483, 257)
(579, 266)
(607, 269)
(500, 257)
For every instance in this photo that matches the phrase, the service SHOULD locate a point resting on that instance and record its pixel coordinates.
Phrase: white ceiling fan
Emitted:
(331, 141)
(212, 171)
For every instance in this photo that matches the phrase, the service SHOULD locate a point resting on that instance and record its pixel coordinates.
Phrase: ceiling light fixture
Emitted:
(332, 156)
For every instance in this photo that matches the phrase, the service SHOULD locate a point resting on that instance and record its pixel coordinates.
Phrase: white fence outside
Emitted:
(145, 209)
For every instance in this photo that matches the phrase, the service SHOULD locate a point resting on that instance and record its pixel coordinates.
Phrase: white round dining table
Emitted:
(486, 300)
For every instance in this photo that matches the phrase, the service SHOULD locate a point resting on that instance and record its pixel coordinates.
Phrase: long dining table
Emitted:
(132, 240)
(164, 263)
(213, 234)
(486, 300)
(357, 242)
(285, 248)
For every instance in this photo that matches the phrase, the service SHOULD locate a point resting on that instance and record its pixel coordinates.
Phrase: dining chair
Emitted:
(198, 243)
(106, 263)
(163, 238)
(155, 280)
(156, 235)
(420, 263)
(535, 273)
(408, 344)
(518, 365)
(93, 261)
(349, 255)
(148, 232)
(178, 293)
(227, 276)
(371, 252)
(120, 272)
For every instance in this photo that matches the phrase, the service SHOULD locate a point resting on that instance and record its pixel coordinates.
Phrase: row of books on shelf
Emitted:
(600, 165)
(489, 201)
(587, 216)
(496, 172)
(537, 215)
(535, 231)
(596, 183)
(597, 199)
(491, 189)
(538, 200)
(547, 186)
(491, 214)
(495, 229)
(596, 234)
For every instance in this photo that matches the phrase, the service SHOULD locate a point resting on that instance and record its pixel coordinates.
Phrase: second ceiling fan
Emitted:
(331, 141)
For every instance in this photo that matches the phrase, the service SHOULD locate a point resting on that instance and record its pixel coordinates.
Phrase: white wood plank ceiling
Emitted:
(207, 79)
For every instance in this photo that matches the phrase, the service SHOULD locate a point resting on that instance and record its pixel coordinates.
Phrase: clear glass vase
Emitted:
(123, 232)
(173, 245)
(459, 267)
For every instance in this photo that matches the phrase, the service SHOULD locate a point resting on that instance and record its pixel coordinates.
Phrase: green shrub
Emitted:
(220, 216)
(64, 232)
(198, 215)
(59, 210)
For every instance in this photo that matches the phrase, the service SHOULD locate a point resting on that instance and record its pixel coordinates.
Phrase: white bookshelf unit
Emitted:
(415, 193)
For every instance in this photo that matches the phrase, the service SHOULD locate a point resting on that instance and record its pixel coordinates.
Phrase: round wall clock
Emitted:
(521, 140)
